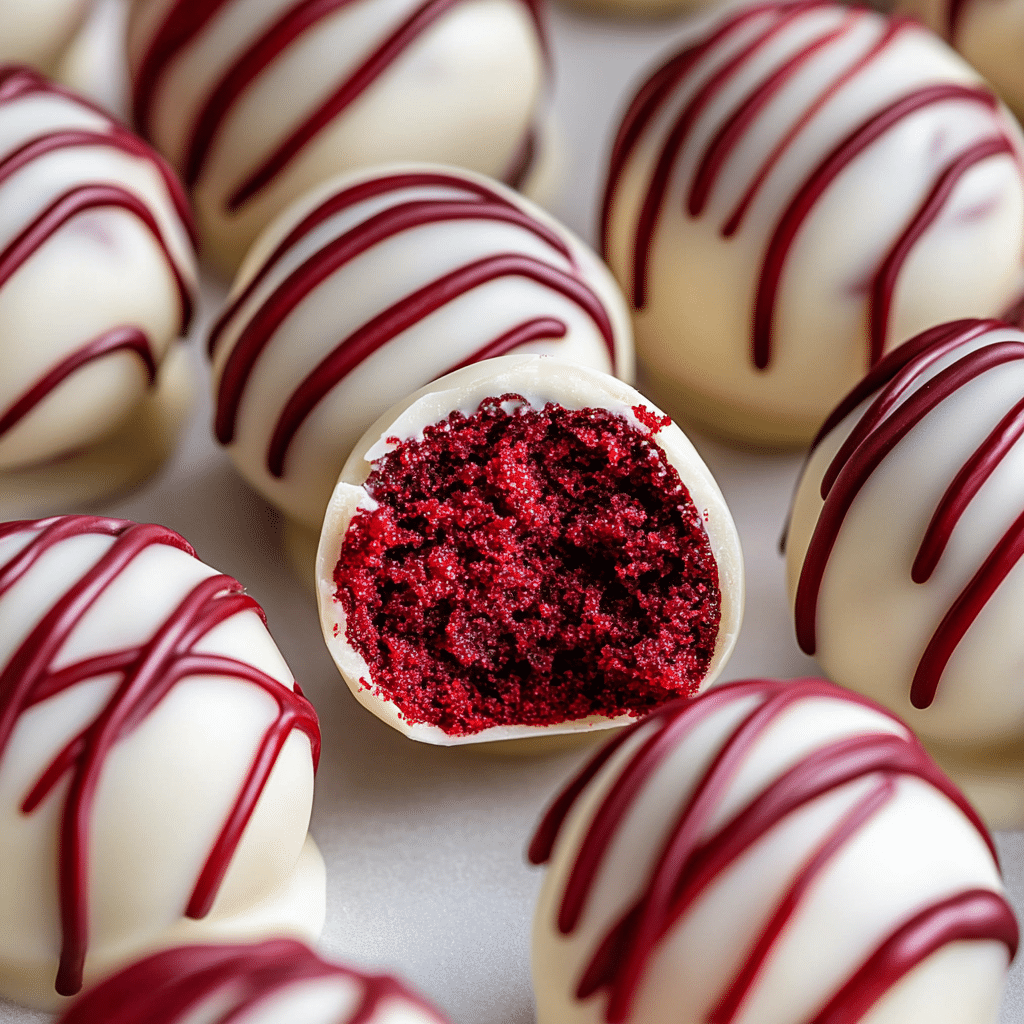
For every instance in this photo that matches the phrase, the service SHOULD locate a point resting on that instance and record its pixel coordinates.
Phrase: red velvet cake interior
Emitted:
(529, 567)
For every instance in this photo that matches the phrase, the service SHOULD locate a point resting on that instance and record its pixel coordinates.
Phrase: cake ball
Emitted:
(801, 189)
(39, 32)
(988, 33)
(97, 274)
(772, 852)
(156, 758)
(374, 286)
(904, 539)
(526, 547)
(257, 101)
(279, 981)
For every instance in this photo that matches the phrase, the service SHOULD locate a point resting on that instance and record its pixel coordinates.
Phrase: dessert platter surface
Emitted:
(425, 846)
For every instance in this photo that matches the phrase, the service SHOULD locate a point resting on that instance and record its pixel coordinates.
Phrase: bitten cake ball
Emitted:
(797, 192)
(156, 758)
(773, 851)
(279, 981)
(988, 33)
(376, 285)
(96, 280)
(524, 547)
(39, 32)
(256, 101)
(905, 537)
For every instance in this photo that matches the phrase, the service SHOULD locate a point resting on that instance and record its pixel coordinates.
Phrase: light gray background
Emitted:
(424, 846)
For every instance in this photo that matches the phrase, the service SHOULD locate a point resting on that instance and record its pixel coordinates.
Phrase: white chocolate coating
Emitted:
(539, 380)
(37, 33)
(460, 84)
(873, 624)
(405, 231)
(278, 981)
(789, 872)
(872, 187)
(166, 786)
(989, 34)
(93, 246)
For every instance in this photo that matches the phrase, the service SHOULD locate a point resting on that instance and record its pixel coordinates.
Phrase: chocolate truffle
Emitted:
(778, 851)
(798, 191)
(524, 547)
(156, 758)
(377, 284)
(256, 102)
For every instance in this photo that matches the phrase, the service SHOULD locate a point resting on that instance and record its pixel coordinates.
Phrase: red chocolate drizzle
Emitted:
(658, 92)
(147, 674)
(16, 83)
(182, 25)
(691, 861)
(476, 202)
(174, 984)
(902, 403)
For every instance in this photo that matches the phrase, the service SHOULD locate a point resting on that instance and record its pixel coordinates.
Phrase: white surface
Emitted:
(424, 846)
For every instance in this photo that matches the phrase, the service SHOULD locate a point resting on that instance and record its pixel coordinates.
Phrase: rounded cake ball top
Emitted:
(529, 546)
(113, 630)
(776, 850)
(279, 980)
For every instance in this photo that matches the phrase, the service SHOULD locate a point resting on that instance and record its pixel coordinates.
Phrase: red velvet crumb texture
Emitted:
(529, 567)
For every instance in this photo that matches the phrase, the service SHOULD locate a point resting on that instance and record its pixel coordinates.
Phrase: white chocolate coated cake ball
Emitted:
(772, 852)
(802, 188)
(156, 758)
(905, 536)
(97, 274)
(278, 981)
(37, 33)
(989, 34)
(257, 101)
(526, 547)
(377, 284)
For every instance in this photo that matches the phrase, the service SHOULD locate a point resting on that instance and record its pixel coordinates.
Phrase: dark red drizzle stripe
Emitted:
(120, 339)
(148, 673)
(375, 64)
(818, 181)
(409, 310)
(541, 327)
(78, 200)
(174, 984)
(688, 864)
(954, 18)
(977, 915)
(866, 457)
(351, 196)
(884, 285)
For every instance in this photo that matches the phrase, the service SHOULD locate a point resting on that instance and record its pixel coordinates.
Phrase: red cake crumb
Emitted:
(529, 567)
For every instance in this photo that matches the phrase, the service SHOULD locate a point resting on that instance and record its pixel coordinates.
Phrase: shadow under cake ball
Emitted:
(156, 758)
(798, 191)
(256, 101)
(278, 981)
(376, 284)
(97, 274)
(772, 852)
(524, 547)
(904, 546)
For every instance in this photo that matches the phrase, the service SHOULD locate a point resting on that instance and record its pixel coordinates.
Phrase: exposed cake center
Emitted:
(529, 567)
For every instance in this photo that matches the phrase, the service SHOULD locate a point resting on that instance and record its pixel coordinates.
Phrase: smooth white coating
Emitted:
(374, 284)
(538, 379)
(873, 621)
(101, 270)
(695, 333)
(466, 92)
(989, 35)
(37, 32)
(916, 849)
(165, 790)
